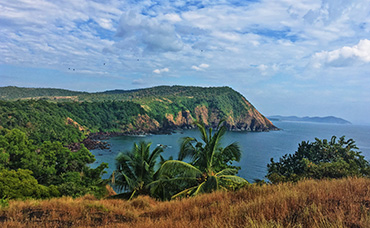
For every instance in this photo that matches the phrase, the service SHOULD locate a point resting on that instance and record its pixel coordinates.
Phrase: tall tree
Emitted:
(209, 169)
(135, 169)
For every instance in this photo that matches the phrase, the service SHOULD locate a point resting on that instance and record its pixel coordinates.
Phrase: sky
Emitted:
(287, 57)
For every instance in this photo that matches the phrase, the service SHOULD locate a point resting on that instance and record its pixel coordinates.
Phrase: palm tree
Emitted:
(208, 170)
(135, 169)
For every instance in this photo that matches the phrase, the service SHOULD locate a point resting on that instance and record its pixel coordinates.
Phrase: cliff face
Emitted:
(251, 121)
(142, 124)
(184, 119)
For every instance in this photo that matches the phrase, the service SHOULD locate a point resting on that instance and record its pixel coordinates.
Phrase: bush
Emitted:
(21, 184)
(320, 159)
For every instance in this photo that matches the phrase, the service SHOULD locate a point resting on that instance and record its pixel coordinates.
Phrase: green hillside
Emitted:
(14, 93)
(68, 122)
(67, 116)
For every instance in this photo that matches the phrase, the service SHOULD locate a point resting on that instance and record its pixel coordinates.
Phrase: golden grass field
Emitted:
(309, 203)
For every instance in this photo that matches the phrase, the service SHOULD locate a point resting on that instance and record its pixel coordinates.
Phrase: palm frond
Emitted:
(211, 184)
(232, 152)
(135, 169)
(203, 131)
(184, 192)
(122, 181)
(227, 171)
(176, 167)
(154, 155)
(174, 180)
(233, 178)
(223, 120)
(200, 189)
(186, 148)
(132, 195)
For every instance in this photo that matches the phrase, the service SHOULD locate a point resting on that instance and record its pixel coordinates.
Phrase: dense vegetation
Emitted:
(209, 169)
(66, 122)
(36, 128)
(320, 159)
(207, 104)
(13, 92)
(136, 169)
(35, 163)
(46, 170)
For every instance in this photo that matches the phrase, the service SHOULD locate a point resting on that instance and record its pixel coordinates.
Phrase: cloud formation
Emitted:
(200, 67)
(344, 56)
(149, 33)
(159, 71)
(252, 46)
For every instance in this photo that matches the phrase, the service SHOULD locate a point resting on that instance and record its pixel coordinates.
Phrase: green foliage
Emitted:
(41, 120)
(4, 202)
(13, 92)
(135, 169)
(320, 159)
(208, 153)
(53, 168)
(111, 111)
(45, 121)
(208, 170)
(21, 184)
(103, 116)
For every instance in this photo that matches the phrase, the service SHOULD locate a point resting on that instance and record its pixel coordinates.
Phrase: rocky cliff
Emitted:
(209, 106)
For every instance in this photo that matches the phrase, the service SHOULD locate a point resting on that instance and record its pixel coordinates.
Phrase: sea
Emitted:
(257, 147)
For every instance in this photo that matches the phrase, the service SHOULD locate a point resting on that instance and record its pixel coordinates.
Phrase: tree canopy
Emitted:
(320, 159)
(208, 170)
(48, 164)
(135, 169)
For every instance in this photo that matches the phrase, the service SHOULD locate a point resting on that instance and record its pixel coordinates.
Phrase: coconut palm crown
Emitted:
(208, 170)
(135, 169)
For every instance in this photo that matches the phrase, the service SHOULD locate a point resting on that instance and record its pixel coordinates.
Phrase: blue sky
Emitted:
(288, 57)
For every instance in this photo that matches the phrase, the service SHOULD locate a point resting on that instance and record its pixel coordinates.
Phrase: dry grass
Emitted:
(336, 203)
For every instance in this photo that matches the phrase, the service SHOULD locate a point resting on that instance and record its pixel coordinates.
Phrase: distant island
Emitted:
(326, 119)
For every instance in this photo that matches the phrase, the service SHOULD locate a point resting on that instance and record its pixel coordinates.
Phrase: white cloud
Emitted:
(172, 17)
(200, 67)
(242, 40)
(262, 67)
(196, 68)
(344, 56)
(203, 65)
(148, 33)
(159, 71)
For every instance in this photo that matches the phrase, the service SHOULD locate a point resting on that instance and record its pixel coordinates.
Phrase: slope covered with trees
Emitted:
(45, 170)
(69, 122)
(166, 107)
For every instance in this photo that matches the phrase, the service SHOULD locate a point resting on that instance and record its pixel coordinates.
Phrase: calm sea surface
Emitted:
(257, 147)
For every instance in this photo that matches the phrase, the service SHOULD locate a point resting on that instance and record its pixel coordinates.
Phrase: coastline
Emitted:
(94, 140)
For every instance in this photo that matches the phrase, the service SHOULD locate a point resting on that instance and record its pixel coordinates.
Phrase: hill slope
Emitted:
(166, 107)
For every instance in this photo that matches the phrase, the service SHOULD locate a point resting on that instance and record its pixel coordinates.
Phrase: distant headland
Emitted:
(326, 119)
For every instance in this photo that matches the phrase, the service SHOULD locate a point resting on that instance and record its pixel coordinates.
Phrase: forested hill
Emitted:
(14, 93)
(149, 110)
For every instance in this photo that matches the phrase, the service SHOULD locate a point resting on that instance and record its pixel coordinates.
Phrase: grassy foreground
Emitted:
(310, 203)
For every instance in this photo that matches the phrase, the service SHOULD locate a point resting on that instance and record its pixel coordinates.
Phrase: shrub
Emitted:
(21, 184)
(320, 159)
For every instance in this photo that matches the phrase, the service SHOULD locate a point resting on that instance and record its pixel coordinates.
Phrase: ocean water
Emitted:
(257, 147)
